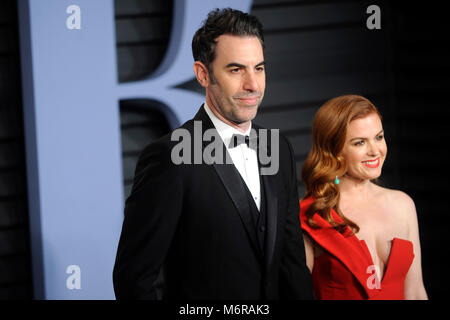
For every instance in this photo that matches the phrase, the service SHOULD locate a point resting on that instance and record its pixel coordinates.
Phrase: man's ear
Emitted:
(202, 74)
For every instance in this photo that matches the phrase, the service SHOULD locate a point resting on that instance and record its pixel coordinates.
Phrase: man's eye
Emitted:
(235, 70)
(260, 69)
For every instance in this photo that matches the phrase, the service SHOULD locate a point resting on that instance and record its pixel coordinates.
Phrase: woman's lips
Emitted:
(372, 163)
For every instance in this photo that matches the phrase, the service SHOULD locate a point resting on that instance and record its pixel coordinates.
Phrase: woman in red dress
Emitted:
(361, 239)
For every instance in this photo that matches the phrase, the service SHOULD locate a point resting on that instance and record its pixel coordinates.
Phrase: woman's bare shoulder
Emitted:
(400, 202)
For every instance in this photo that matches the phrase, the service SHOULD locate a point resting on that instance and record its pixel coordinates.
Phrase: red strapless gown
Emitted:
(344, 272)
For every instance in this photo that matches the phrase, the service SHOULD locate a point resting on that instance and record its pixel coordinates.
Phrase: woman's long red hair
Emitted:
(324, 161)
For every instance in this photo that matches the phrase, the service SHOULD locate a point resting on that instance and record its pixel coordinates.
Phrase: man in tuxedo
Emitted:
(221, 230)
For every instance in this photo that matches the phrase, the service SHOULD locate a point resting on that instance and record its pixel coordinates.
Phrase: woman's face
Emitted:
(365, 148)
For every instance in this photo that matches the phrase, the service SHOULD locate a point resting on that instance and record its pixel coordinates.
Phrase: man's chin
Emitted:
(249, 115)
(241, 120)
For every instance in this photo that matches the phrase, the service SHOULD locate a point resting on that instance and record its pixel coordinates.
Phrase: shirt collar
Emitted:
(225, 130)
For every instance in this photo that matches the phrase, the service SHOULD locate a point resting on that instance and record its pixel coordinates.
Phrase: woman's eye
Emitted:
(359, 143)
(380, 137)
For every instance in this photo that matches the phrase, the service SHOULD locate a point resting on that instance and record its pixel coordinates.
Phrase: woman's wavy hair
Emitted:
(325, 162)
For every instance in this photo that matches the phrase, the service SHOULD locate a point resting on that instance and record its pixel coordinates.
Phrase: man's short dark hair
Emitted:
(219, 22)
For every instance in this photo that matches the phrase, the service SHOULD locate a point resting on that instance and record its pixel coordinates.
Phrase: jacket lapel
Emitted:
(236, 190)
(271, 200)
(232, 182)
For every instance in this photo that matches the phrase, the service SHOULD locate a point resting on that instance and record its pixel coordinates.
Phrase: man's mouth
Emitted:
(251, 101)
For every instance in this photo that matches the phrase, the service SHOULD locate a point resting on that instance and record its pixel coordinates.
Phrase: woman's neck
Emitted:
(355, 188)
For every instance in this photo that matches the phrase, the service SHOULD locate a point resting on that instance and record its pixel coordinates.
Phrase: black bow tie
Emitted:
(237, 139)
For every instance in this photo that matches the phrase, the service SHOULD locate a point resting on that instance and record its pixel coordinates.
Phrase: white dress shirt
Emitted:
(244, 159)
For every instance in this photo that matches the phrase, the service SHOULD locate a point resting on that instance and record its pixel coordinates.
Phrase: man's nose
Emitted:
(250, 82)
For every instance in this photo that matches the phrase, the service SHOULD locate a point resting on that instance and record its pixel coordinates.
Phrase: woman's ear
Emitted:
(341, 165)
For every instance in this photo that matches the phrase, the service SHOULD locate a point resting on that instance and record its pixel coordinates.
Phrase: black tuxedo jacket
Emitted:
(191, 224)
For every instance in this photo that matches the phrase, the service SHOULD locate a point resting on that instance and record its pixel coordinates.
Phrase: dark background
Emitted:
(315, 50)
